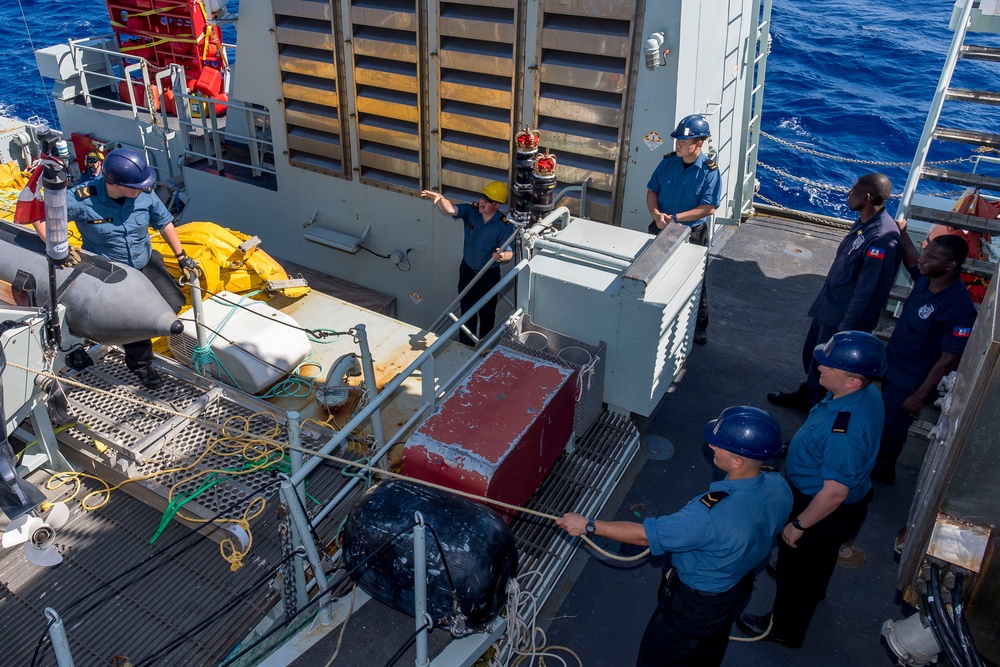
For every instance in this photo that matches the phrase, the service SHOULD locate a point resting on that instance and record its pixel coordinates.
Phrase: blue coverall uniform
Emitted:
(680, 187)
(855, 290)
(119, 230)
(930, 324)
(839, 442)
(481, 239)
(715, 542)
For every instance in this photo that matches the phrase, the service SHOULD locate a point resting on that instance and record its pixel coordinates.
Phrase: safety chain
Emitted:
(839, 188)
(826, 186)
(811, 218)
(873, 163)
(288, 589)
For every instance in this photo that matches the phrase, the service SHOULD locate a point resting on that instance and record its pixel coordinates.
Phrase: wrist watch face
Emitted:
(590, 527)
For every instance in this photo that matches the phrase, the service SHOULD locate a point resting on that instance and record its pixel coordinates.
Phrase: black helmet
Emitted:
(745, 431)
(853, 351)
(128, 169)
(692, 127)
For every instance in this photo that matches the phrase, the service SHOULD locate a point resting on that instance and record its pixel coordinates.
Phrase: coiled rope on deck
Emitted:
(214, 426)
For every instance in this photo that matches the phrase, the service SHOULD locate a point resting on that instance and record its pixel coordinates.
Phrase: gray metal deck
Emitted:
(761, 283)
(181, 593)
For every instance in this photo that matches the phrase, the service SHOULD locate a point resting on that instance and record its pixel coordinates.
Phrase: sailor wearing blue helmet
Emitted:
(113, 213)
(686, 189)
(712, 544)
(828, 466)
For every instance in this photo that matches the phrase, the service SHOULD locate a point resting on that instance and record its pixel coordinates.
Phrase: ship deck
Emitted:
(761, 280)
(761, 283)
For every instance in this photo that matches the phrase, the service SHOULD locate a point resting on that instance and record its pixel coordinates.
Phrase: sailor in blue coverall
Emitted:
(713, 543)
(828, 467)
(926, 344)
(686, 188)
(856, 287)
(486, 234)
(113, 213)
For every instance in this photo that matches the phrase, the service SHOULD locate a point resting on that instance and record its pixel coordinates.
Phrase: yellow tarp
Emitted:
(12, 181)
(224, 267)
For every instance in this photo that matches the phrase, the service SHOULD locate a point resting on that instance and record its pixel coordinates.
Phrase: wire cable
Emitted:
(409, 642)
(204, 623)
(198, 537)
(283, 624)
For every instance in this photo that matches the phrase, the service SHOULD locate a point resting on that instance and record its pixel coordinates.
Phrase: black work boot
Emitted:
(797, 400)
(149, 378)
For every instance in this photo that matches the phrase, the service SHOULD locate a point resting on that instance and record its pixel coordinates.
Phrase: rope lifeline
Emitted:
(330, 457)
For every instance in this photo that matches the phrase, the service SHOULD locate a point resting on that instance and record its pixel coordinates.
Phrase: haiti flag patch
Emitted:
(877, 253)
(962, 332)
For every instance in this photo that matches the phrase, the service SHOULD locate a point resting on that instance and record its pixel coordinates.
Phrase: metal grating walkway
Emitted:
(169, 599)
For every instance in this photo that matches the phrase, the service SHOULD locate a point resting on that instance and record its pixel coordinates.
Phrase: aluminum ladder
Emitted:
(966, 18)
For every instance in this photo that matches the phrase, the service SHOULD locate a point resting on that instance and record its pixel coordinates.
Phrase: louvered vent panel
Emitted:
(476, 75)
(308, 60)
(387, 92)
(584, 83)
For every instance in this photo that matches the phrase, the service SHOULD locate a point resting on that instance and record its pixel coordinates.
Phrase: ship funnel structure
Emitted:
(106, 302)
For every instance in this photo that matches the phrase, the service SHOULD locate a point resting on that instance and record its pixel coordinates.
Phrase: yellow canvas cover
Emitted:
(224, 267)
(12, 181)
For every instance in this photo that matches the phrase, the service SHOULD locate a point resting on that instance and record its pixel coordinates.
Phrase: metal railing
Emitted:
(102, 69)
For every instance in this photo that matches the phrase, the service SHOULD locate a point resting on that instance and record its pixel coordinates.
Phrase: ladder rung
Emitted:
(900, 292)
(989, 53)
(974, 96)
(979, 267)
(968, 179)
(972, 223)
(967, 137)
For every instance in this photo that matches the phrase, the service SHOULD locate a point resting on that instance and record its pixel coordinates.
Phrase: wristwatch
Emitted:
(798, 526)
(591, 528)
(674, 216)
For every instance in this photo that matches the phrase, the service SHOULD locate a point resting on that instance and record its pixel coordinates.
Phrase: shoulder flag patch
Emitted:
(840, 422)
(962, 332)
(711, 499)
(877, 253)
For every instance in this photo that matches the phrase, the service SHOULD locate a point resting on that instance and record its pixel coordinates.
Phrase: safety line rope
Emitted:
(330, 457)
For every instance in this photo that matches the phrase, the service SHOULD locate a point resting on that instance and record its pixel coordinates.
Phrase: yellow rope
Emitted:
(758, 638)
(252, 449)
(329, 457)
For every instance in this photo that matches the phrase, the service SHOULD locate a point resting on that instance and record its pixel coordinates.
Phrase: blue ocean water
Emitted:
(851, 78)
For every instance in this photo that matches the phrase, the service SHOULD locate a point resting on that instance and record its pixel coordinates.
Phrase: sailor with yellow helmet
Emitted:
(486, 234)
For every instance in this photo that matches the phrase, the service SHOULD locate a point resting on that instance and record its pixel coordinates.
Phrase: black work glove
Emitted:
(189, 267)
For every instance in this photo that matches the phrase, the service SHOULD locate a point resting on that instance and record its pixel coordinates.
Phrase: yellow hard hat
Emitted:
(496, 191)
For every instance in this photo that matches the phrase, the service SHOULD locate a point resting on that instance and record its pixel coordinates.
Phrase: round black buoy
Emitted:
(476, 543)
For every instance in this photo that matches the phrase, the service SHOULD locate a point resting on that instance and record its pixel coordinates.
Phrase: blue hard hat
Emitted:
(692, 127)
(853, 351)
(745, 431)
(128, 169)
